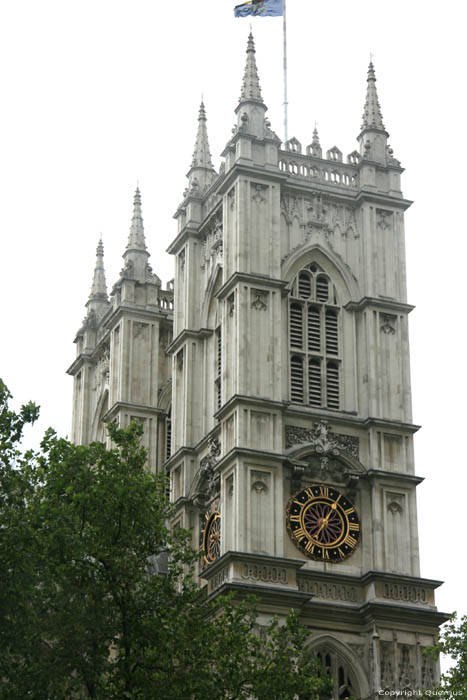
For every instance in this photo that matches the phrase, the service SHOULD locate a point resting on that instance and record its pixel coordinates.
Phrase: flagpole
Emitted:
(284, 25)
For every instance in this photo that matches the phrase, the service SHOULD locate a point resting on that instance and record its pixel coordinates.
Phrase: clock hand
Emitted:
(325, 521)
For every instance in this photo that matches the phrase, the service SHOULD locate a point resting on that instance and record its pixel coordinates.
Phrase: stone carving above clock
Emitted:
(208, 477)
(321, 437)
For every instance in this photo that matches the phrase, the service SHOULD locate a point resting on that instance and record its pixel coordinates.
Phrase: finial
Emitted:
(372, 117)
(250, 88)
(202, 111)
(98, 294)
(201, 174)
(136, 239)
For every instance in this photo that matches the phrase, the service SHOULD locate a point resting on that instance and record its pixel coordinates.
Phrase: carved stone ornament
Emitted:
(181, 257)
(232, 198)
(406, 670)
(321, 437)
(389, 324)
(395, 503)
(317, 210)
(428, 672)
(209, 484)
(259, 302)
(258, 195)
(384, 219)
(127, 270)
(387, 673)
(212, 250)
(90, 321)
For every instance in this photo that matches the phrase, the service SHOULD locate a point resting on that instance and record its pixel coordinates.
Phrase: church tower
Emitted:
(121, 371)
(292, 435)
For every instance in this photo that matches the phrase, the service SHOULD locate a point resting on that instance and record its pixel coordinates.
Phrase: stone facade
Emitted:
(280, 359)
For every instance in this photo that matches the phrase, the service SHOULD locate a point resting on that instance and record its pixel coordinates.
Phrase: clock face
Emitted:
(323, 523)
(210, 536)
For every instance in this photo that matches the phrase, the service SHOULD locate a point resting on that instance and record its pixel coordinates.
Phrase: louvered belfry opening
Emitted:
(168, 435)
(218, 387)
(314, 320)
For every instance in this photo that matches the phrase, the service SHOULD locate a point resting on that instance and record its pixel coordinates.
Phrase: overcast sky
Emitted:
(98, 95)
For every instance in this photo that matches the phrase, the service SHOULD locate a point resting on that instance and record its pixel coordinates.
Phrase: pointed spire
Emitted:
(372, 117)
(98, 301)
(201, 174)
(136, 255)
(99, 287)
(136, 239)
(202, 154)
(251, 90)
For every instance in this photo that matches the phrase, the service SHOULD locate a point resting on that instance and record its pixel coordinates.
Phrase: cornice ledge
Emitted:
(380, 474)
(251, 279)
(379, 302)
(142, 408)
(372, 422)
(373, 610)
(252, 401)
(181, 452)
(186, 232)
(229, 556)
(185, 335)
(270, 595)
(79, 362)
(382, 198)
(253, 170)
(143, 312)
(277, 457)
(400, 578)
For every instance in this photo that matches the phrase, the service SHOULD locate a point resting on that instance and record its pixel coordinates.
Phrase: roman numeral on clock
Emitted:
(349, 541)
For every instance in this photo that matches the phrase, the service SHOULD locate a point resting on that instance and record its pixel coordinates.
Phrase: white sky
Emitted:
(99, 94)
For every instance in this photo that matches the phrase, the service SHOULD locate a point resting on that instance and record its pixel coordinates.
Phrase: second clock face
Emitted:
(323, 523)
(210, 535)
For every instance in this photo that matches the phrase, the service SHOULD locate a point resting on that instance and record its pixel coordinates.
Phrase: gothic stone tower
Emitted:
(121, 371)
(292, 434)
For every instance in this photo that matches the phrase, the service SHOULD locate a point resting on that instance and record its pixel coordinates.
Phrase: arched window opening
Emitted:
(314, 330)
(304, 285)
(343, 686)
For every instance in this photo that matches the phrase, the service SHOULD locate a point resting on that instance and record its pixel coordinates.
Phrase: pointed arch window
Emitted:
(343, 685)
(314, 340)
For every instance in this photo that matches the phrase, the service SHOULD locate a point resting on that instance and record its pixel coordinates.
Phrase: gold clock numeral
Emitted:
(299, 533)
(349, 540)
(309, 492)
(310, 546)
(325, 554)
(354, 526)
(341, 553)
(295, 518)
(349, 511)
(324, 491)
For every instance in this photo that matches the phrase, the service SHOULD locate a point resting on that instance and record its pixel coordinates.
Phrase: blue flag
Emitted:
(259, 8)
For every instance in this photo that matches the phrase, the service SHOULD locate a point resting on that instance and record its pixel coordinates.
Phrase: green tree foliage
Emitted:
(453, 642)
(85, 610)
